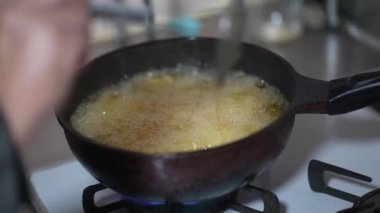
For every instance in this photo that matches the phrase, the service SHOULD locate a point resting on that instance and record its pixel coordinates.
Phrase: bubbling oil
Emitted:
(168, 111)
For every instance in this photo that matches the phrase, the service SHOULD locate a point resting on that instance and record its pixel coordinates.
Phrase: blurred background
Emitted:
(322, 39)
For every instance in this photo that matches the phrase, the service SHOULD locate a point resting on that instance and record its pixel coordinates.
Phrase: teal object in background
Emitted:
(185, 26)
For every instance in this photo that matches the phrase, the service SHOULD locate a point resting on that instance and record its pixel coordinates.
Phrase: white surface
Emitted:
(350, 141)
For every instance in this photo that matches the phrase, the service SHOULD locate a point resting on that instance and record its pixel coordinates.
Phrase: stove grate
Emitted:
(368, 203)
(270, 200)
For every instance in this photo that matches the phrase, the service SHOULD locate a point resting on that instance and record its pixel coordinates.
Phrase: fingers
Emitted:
(41, 43)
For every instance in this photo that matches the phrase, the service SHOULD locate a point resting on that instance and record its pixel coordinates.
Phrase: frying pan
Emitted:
(206, 174)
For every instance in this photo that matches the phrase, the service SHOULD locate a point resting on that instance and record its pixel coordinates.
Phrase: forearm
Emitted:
(9, 174)
(15, 190)
(21, 116)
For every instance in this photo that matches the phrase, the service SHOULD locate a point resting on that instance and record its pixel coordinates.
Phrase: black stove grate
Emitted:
(368, 203)
(270, 201)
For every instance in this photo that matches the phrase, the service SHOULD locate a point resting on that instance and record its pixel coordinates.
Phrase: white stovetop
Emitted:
(351, 141)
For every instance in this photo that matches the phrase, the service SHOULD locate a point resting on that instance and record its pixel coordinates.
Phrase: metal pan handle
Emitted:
(337, 96)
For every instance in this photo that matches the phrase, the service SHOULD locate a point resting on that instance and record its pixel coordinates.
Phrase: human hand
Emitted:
(42, 42)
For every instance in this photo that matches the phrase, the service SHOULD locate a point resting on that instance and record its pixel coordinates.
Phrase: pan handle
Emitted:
(337, 96)
(352, 93)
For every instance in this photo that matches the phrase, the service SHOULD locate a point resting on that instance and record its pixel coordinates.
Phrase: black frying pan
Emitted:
(210, 173)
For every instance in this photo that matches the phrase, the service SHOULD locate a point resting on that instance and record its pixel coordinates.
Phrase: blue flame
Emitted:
(141, 202)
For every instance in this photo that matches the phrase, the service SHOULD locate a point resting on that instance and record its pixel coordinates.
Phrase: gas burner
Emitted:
(368, 203)
(227, 202)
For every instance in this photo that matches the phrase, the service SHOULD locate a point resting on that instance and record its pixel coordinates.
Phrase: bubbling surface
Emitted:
(169, 111)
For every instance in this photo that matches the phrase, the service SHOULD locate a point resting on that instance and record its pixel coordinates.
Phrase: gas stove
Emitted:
(345, 147)
(233, 201)
(369, 202)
